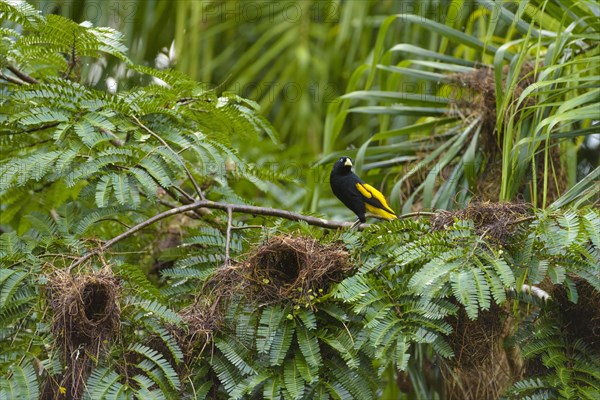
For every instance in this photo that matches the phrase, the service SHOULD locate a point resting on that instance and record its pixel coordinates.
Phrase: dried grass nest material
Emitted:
(581, 320)
(86, 319)
(481, 99)
(497, 222)
(482, 368)
(201, 320)
(86, 307)
(293, 268)
(284, 269)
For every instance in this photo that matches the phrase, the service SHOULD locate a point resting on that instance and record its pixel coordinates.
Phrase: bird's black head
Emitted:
(343, 166)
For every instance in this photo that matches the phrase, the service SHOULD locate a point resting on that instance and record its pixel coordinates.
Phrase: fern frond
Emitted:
(150, 355)
(281, 343)
(102, 380)
(294, 383)
(309, 346)
(157, 310)
(22, 383)
(232, 354)
(269, 322)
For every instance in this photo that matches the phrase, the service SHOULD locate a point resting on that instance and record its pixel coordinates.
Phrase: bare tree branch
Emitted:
(39, 128)
(188, 199)
(230, 209)
(11, 79)
(239, 208)
(22, 75)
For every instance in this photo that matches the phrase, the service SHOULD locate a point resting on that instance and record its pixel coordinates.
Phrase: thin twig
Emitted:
(11, 79)
(415, 214)
(524, 219)
(39, 128)
(22, 75)
(58, 255)
(164, 143)
(132, 230)
(228, 235)
(189, 198)
(73, 60)
(114, 220)
(235, 228)
(116, 141)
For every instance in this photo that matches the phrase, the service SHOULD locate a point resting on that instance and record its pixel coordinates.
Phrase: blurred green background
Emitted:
(308, 64)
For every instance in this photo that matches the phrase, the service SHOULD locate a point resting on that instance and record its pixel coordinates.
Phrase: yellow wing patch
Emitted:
(369, 192)
(364, 190)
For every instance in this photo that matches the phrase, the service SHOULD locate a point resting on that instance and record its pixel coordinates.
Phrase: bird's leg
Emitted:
(356, 224)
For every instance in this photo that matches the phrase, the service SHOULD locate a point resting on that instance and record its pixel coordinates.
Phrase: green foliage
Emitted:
(496, 109)
(571, 366)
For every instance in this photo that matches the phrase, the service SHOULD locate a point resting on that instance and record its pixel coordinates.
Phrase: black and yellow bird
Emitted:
(357, 195)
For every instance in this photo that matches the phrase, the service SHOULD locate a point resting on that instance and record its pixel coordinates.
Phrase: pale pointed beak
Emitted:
(348, 162)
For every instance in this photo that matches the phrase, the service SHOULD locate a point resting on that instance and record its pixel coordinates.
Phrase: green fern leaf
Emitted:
(344, 346)
(156, 309)
(591, 222)
(497, 288)
(355, 384)
(234, 357)
(272, 388)
(556, 273)
(228, 375)
(309, 374)
(41, 116)
(294, 384)
(247, 386)
(309, 346)
(149, 186)
(145, 391)
(504, 272)
(465, 291)
(100, 382)
(268, 325)
(139, 282)
(402, 353)
(159, 361)
(22, 384)
(427, 280)
(155, 167)
(9, 286)
(21, 13)
(569, 222)
(23, 170)
(281, 343)
(88, 133)
(308, 318)
(351, 289)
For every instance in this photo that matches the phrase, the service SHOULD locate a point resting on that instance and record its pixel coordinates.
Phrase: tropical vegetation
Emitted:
(147, 250)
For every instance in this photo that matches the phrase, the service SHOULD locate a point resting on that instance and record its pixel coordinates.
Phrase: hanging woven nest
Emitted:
(86, 319)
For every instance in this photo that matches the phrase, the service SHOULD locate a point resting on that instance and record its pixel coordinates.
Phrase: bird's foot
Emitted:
(355, 225)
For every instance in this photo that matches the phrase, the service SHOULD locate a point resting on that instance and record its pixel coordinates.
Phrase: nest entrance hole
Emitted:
(96, 297)
(283, 266)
